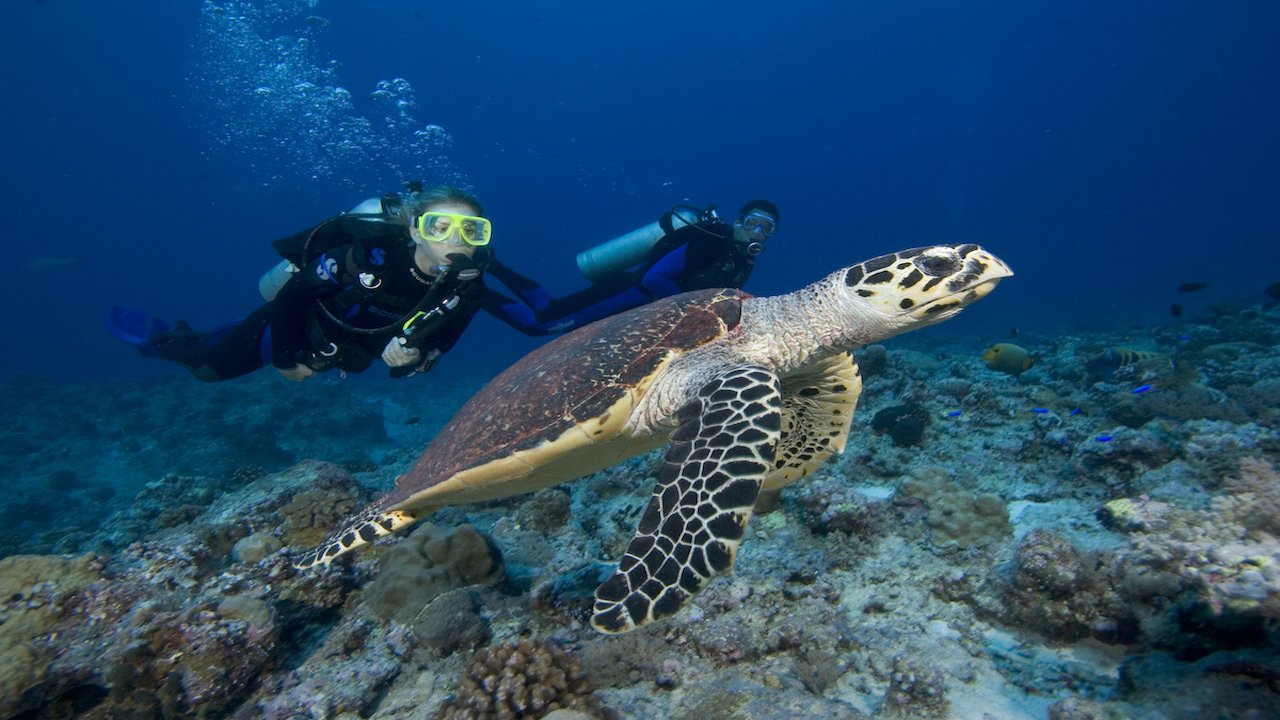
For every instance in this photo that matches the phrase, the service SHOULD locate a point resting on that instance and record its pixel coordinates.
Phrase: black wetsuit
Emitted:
(339, 311)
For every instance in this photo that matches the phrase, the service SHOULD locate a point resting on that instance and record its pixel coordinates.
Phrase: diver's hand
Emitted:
(297, 373)
(397, 355)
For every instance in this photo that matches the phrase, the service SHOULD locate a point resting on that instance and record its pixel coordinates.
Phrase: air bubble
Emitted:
(269, 103)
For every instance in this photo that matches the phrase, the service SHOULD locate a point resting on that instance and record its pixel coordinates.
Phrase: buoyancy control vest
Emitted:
(298, 248)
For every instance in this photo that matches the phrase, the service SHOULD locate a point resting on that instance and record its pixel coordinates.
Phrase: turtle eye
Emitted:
(938, 262)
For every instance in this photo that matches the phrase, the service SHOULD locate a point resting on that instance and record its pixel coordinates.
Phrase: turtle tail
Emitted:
(359, 530)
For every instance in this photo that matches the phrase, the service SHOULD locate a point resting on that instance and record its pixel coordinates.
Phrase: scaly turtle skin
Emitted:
(749, 392)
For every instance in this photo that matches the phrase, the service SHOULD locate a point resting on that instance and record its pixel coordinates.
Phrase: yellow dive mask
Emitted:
(438, 226)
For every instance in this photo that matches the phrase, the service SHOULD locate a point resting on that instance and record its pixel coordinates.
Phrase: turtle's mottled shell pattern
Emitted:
(584, 373)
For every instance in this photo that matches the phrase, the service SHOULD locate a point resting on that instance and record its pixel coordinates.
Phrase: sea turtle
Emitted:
(749, 392)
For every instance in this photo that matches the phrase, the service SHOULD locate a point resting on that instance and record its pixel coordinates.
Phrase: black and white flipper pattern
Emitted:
(361, 529)
(817, 411)
(707, 487)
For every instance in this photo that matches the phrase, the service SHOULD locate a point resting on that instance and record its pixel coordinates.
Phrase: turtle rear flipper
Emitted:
(361, 529)
(706, 490)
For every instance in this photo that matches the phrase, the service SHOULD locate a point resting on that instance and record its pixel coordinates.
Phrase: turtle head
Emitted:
(921, 286)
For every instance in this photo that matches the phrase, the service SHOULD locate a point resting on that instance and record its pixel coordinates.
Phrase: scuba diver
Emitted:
(686, 249)
(398, 278)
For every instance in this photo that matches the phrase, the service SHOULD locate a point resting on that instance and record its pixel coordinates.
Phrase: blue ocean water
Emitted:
(1108, 152)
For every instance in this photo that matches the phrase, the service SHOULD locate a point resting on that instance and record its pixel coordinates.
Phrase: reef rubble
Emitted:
(1084, 539)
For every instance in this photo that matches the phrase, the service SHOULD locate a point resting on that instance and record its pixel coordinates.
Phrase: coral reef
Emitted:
(255, 547)
(1058, 592)
(451, 621)
(1122, 457)
(873, 360)
(428, 562)
(1221, 564)
(1065, 543)
(168, 627)
(36, 592)
(830, 503)
(915, 691)
(545, 511)
(904, 424)
(524, 679)
(1252, 499)
(956, 518)
(1177, 403)
(310, 513)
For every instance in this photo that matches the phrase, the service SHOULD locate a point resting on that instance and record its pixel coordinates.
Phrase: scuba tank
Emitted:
(275, 278)
(626, 250)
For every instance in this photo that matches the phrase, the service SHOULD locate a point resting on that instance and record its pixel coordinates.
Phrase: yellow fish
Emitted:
(1007, 358)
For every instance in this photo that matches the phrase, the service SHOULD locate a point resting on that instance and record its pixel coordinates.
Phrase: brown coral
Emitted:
(525, 679)
(958, 519)
(1058, 591)
(544, 511)
(427, 563)
(1257, 503)
(33, 591)
(245, 474)
(308, 514)
(915, 691)
(196, 662)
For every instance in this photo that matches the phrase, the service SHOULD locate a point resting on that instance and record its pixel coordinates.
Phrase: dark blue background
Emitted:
(1108, 151)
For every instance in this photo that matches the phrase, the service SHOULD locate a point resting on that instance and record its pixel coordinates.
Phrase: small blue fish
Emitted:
(1184, 338)
(1042, 411)
(1140, 389)
(954, 413)
(1104, 438)
(1076, 411)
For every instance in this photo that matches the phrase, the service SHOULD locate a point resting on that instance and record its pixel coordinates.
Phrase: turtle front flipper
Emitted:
(816, 415)
(706, 489)
(359, 530)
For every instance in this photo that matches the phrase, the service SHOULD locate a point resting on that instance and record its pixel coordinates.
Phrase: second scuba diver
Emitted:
(400, 284)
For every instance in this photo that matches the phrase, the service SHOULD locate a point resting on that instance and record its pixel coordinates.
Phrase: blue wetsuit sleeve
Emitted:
(660, 280)
(513, 312)
(527, 315)
(625, 300)
(520, 317)
(528, 290)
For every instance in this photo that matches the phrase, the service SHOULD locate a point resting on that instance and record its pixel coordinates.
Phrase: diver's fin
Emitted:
(135, 327)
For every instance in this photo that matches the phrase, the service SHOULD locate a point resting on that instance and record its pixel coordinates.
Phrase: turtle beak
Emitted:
(982, 290)
(973, 280)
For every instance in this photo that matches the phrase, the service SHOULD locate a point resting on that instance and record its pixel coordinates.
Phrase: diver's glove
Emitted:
(297, 373)
(398, 353)
(402, 353)
(420, 362)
